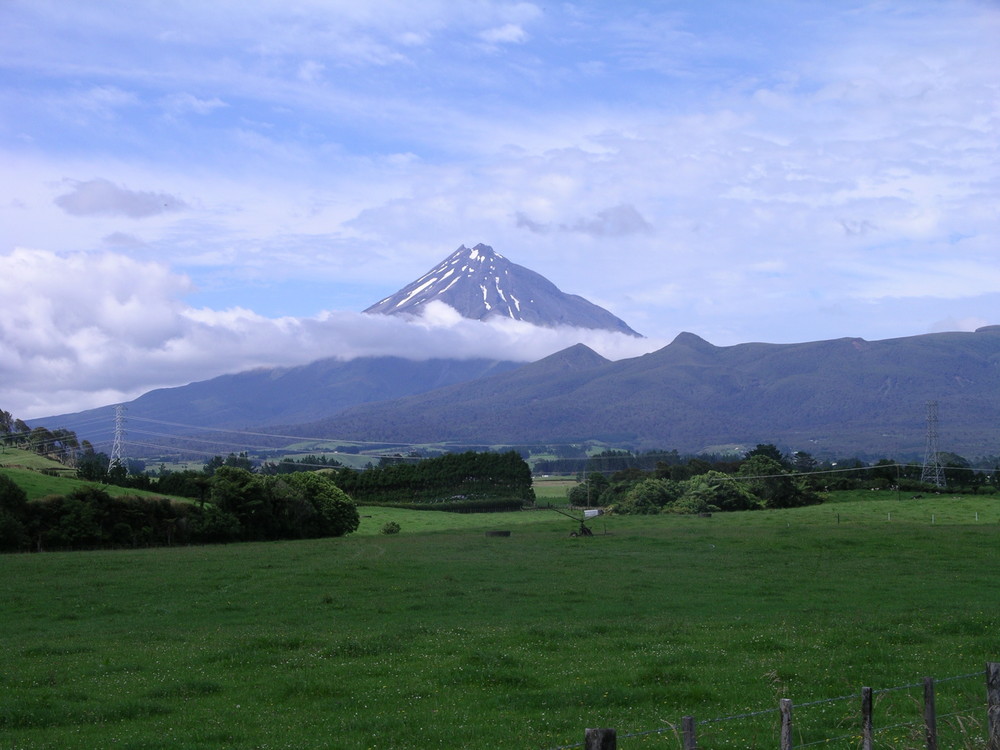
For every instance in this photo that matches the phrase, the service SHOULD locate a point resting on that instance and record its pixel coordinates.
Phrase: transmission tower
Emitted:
(119, 445)
(932, 472)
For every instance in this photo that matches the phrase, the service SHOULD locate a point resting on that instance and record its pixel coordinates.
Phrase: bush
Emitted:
(390, 527)
(649, 496)
(13, 499)
(13, 536)
(333, 512)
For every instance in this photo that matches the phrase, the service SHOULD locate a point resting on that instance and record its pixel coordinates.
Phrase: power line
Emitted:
(326, 439)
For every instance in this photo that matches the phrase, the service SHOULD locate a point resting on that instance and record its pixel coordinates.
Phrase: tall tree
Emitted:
(335, 514)
(768, 450)
(13, 504)
(803, 461)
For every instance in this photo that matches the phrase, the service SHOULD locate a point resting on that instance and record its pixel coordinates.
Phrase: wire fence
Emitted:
(949, 712)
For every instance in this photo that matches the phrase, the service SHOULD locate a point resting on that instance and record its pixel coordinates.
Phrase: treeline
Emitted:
(466, 481)
(962, 474)
(762, 478)
(62, 445)
(759, 482)
(462, 482)
(238, 506)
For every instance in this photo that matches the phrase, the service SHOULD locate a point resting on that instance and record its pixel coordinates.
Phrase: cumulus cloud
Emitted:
(87, 329)
(760, 185)
(100, 197)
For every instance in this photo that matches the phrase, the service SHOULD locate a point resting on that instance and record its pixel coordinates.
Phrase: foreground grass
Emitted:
(443, 637)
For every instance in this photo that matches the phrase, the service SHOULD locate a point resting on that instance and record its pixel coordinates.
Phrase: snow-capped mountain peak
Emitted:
(481, 283)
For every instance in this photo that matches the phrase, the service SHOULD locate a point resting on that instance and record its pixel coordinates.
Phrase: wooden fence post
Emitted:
(866, 718)
(993, 705)
(930, 715)
(600, 739)
(687, 733)
(786, 724)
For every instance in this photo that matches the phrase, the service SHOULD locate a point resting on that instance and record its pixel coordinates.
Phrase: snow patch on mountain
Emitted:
(480, 284)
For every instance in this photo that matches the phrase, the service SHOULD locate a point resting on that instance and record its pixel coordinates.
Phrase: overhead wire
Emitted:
(239, 446)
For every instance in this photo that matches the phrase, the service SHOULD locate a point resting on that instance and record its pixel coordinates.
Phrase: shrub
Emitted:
(334, 512)
(13, 535)
(12, 498)
(390, 527)
(649, 496)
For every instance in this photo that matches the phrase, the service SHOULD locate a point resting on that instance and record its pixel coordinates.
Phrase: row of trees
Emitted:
(461, 481)
(763, 478)
(234, 499)
(844, 473)
(758, 482)
(467, 479)
(237, 505)
(62, 445)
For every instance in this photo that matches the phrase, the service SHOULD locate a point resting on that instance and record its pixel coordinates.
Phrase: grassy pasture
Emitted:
(442, 637)
(26, 468)
(552, 491)
(30, 460)
(38, 485)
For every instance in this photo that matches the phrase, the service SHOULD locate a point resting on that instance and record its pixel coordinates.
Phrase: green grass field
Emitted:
(26, 468)
(30, 460)
(443, 637)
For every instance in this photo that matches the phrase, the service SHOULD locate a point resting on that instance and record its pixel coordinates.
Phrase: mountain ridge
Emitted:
(844, 394)
(837, 395)
(834, 396)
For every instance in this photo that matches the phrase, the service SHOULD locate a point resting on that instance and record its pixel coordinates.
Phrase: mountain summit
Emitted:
(481, 283)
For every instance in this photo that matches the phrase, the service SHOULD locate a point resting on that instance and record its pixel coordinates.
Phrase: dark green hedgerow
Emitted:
(242, 506)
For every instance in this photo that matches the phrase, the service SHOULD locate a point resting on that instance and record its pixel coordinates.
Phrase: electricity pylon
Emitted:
(119, 445)
(932, 472)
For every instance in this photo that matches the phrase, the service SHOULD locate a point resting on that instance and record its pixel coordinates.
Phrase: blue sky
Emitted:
(194, 188)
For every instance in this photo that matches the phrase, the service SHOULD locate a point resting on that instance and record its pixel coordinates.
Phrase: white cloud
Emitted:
(103, 197)
(184, 103)
(685, 168)
(509, 33)
(942, 278)
(122, 239)
(95, 328)
(311, 71)
(102, 101)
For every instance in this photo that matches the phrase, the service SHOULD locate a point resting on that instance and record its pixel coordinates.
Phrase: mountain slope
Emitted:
(495, 405)
(270, 396)
(840, 395)
(481, 283)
